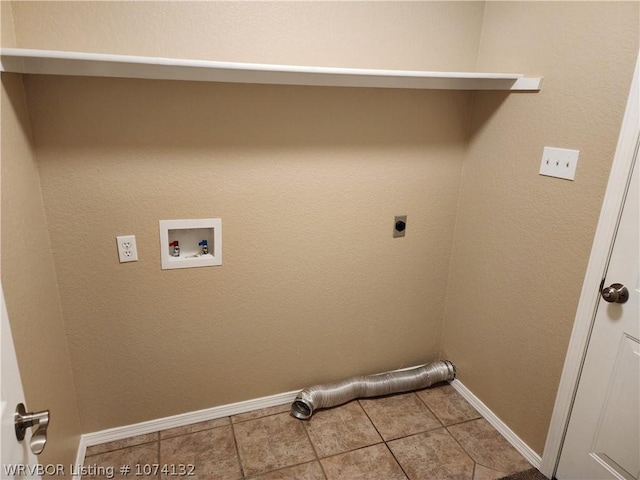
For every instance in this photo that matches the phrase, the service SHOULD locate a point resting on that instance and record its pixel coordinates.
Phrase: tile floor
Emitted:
(431, 434)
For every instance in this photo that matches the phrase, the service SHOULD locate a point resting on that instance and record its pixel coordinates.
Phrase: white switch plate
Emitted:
(559, 162)
(127, 251)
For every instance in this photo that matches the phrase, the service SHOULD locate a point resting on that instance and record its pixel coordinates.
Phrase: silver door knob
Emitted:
(616, 293)
(24, 420)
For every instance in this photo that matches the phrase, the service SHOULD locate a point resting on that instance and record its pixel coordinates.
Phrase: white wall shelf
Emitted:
(50, 62)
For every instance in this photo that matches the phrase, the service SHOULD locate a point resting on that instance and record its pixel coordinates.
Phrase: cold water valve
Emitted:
(205, 247)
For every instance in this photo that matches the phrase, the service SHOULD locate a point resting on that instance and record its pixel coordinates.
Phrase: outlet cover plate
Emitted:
(559, 162)
(127, 250)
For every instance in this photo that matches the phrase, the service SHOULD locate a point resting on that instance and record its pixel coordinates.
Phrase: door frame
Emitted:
(598, 260)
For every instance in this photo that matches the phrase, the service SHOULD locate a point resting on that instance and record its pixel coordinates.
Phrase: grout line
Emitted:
(414, 434)
(479, 415)
(235, 444)
(495, 469)
(371, 421)
(384, 441)
(429, 408)
(353, 450)
(322, 469)
(259, 474)
(464, 421)
(396, 459)
(159, 457)
(313, 447)
(191, 433)
(498, 425)
(117, 449)
(461, 446)
(255, 418)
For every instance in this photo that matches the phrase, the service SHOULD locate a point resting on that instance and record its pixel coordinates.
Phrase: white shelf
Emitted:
(50, 62)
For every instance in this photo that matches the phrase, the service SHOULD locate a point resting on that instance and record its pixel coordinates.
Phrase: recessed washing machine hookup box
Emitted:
(190, 243)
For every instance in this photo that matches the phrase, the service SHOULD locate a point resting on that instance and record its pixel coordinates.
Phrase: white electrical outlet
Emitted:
(559, 162)
(127, 251)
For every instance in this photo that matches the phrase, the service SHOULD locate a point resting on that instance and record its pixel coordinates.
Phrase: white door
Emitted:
(603, 435)
(14, 453)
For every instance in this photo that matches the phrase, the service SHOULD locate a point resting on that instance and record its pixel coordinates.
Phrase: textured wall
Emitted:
(522, 240)
(28, 277)
(306, 181)
(403, 35)
(7, 32)
(29, 282)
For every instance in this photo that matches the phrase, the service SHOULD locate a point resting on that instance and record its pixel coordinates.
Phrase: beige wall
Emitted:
(28, 276)
(522, 240)
(403, 35)
(7, 32)
(306, 180)
(29, 283)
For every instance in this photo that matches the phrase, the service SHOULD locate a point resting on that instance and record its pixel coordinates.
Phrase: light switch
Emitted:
(559, 162)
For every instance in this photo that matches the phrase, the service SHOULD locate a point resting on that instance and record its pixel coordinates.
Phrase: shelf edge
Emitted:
(50, 62)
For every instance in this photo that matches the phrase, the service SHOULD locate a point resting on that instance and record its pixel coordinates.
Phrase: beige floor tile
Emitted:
(306, 471)
(340, 429)
(194, 427)
(118, 444)
(487, 447)
(212, 452)
(398, 416)
(448, 405)
(134, 457)
(484, 473)
(273, 442)
(432, 455)
(262, 412)
(375, 462)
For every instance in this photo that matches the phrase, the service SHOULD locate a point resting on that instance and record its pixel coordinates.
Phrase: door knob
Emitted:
(24, 420)
(616, 293)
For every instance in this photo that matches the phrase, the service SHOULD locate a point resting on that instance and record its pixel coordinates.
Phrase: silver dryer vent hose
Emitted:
(332, 394)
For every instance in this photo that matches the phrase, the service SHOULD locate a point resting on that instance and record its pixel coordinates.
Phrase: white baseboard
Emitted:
(120, 433)
(188, 418)
(525, 450)
(82, 450)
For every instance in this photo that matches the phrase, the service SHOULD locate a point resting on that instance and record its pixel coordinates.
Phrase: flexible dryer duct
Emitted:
(333, 394)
